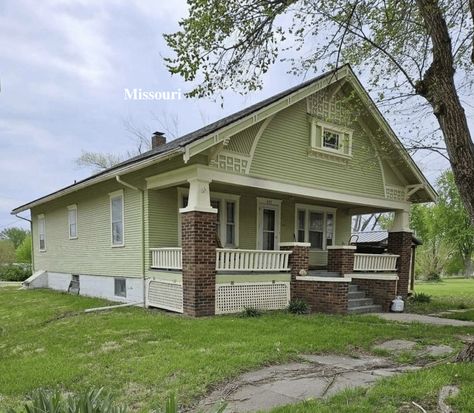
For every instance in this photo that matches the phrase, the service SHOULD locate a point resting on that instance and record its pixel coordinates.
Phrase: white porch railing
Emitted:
(375, 262)
(251, 260)
(166, 258)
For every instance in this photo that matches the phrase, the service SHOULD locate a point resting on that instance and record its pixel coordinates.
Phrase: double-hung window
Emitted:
(42, 232)
(117, 218)
(227, 206)
(72, 221)
(315, 225)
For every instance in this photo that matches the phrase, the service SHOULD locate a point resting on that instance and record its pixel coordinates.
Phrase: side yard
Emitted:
(47, 341)
(453, 298)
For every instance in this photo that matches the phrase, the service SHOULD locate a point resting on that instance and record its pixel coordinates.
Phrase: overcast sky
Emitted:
(64, 66)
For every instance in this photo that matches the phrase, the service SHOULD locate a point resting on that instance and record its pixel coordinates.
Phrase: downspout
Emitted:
(142, 197)
(32, 250)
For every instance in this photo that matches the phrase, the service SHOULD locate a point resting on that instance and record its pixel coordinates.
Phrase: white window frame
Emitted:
(318, 209)
(42, 217)
(69, 209)
(222, 198)
(112, 196)
(344, 141)
(268, 203)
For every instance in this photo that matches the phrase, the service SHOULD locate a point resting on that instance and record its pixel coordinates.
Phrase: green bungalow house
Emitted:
(249, 211)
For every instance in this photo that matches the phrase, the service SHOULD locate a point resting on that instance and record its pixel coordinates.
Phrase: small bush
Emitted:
(14, 272)
(92, 401)
(250, 312)
(420, 298)
(432, 276)
(462, 306)
(298, 306)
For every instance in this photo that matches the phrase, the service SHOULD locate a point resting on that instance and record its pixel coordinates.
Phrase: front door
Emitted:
(268, 225)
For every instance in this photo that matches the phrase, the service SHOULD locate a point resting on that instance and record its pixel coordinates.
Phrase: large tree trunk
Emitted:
(467, 353)
(439, 89)
(468, 267)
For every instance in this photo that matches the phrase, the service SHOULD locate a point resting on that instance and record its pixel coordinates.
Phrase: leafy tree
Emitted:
(15, 235)
(7, 252)
(422, 49)
(433, 256)
(453, 221)
(23, 252)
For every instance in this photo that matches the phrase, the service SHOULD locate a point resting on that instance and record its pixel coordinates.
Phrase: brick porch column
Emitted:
(341, 259)
(399, 243)
(198, 226)
(298, 261)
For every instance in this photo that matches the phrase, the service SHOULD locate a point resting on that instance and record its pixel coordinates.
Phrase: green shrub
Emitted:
(92, 401)
(420, 298)
(23, 252)
(250, 312)
(432, 276)
(14, 272)
(298, 306)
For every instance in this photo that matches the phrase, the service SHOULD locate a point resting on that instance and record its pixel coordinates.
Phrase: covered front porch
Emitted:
(252, 245)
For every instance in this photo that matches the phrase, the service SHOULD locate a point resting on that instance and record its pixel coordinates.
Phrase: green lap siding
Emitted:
(91, 253)
(282, 154)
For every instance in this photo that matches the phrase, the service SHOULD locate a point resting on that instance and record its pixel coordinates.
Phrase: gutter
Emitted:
(142, 198)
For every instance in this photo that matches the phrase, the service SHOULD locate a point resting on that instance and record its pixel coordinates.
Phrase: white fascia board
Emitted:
(265, 112)
(181, 175)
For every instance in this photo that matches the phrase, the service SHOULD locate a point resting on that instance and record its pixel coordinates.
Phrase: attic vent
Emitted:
(157, 139)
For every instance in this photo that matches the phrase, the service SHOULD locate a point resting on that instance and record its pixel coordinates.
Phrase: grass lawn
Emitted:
(449, 294)
(141, 356)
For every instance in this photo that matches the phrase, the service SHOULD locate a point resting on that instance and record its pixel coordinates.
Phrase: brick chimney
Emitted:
(157, 139)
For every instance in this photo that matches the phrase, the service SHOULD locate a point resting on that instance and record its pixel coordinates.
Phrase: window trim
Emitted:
(70, 208)
(222, 198)
(315, 208)
(113, 195)
(342, 131)
(43, 218)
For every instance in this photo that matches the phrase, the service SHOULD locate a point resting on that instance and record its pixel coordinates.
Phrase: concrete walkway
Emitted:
(425, 319)
(10, 284)
(318, 376)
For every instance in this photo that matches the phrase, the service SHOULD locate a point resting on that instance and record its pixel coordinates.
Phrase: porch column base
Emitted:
(341, 259)
(199, 262)
(298, 262)
(399, 243)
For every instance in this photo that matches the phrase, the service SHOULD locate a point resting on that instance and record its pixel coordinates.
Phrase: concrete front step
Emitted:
(323, 273)
(365, 309)
(353, 288)
(360, 302)
(355, 295)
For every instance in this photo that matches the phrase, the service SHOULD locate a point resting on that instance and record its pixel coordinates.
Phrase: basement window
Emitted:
(120, 287)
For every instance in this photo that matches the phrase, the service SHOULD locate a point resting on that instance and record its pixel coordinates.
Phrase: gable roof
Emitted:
(178, 146)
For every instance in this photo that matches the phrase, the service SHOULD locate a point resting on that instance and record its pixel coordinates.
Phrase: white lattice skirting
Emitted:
(165, 294)
(233, 298)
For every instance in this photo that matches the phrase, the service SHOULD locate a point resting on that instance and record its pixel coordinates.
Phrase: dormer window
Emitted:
(329, 141)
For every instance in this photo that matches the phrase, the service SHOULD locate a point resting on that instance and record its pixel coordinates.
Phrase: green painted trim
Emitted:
(242, 277)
